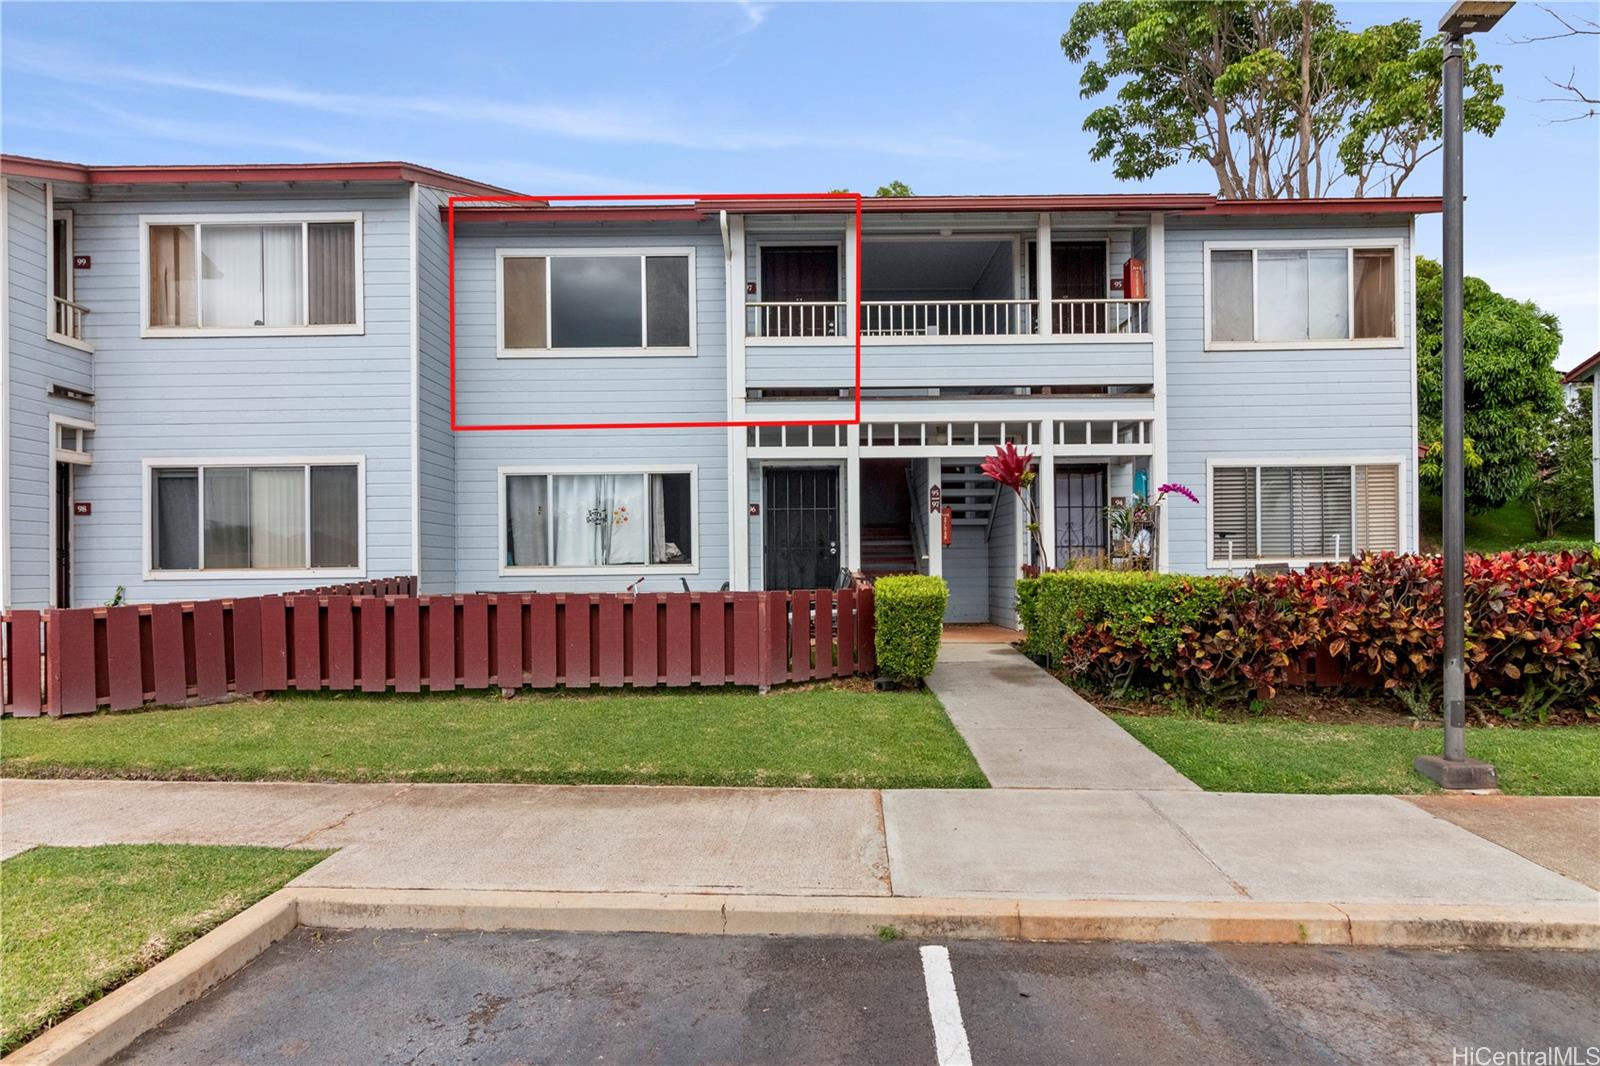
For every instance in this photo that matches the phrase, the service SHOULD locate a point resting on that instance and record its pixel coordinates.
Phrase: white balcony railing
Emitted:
(795, 319)
(1074, 318)
(67, 318)
(947, 318)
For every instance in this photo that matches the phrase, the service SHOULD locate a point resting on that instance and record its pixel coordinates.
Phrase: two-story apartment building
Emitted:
(230, 379)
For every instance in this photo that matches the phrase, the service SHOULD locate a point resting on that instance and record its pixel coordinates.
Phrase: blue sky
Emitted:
(612, 98)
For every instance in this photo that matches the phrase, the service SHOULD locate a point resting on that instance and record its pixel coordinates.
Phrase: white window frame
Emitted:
(1351, 246)
(692, 567)
(643, 351)
(78, 459)
(201, 463)
(55, 214)
(304, 219)
(1402, 502)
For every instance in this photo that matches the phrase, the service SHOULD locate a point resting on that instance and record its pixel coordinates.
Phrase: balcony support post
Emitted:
(851, 267)
(1047, 490)
(1044, 284)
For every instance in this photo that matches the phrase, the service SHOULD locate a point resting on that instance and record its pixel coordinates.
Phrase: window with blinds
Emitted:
(1303, 512)
(253, 275)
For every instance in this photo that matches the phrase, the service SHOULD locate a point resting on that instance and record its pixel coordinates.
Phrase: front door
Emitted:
(802, 274)
(63, 545)
(801, 532)
(1080, 513)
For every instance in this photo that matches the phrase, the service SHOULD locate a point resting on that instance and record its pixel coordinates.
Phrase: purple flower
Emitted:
(1181, 490)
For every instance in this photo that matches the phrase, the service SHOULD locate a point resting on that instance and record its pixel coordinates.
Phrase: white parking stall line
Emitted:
(949, 1034)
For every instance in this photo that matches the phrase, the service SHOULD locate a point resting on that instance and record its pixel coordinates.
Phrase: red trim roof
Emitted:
(1588, 368)
(242, 173)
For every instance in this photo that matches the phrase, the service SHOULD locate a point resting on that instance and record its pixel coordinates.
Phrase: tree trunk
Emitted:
(1305, 99)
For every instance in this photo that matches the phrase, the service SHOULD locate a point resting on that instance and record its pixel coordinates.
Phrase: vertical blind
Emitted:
(1304, 512)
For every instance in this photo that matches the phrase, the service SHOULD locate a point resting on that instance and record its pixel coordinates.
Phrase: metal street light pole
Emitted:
(1453, 769)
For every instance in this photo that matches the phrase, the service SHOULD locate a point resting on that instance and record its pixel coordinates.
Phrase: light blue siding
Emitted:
(195, 397)
(565, 390)
(35, 365)
(1339, 403)
(1003, 571)
(436, 444)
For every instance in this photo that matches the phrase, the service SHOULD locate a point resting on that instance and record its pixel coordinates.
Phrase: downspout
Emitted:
(727, 241)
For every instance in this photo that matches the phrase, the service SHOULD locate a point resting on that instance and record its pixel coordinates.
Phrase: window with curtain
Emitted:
(266, 517)
(1303, 512)
(611, 301)
(250, 275)
(1298, 295)
(599, 519)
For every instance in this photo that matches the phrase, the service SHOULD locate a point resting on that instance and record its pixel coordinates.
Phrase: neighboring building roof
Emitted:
(20, 166)
(697, 208)
(1589, 368)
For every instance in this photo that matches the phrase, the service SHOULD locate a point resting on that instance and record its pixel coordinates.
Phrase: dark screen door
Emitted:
(1080, 512)
(802, 527)
(801, 274)
(63, 545)
(1077, 272)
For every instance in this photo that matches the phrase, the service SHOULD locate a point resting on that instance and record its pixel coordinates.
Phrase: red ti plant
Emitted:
(1015, 471)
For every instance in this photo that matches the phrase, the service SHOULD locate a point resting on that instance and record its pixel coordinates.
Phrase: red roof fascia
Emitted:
(244, 173)
(23, 166)
(1333, 205)
(1588, 368)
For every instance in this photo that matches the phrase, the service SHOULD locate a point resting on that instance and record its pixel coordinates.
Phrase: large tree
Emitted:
(1280, 98)
(1511, 388)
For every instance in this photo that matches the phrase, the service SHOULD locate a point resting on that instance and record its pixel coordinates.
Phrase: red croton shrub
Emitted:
(1533, 630)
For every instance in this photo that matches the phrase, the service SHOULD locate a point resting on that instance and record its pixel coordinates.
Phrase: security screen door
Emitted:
(801, 528)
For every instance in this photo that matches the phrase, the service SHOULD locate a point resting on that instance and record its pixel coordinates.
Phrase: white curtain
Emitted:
(599, 519)
(658, 520)
(250, 276)
(527, 537)
(277, 517)
(1328, 293)
(280, 276)
(1281, 309)
(1232, 297)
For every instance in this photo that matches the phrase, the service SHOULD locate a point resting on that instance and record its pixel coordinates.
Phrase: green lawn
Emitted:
(77, 922)
(826, 736)
(1258, 755)
(1510, 526)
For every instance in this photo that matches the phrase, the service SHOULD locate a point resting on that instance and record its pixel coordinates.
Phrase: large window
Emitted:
(597, 520)
(257, 515)
(596, 302)
(1300, 296)
(1303, 512)
(249, 275)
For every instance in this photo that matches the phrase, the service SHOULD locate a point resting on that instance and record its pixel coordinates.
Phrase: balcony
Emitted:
(66, 321)
(882, 319)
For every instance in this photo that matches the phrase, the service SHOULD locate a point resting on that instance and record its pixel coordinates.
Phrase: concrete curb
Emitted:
(1243, 922)
(108, 1025)
(101, 1030)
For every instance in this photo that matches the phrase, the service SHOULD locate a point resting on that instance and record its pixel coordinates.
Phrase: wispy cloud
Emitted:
(608, 121)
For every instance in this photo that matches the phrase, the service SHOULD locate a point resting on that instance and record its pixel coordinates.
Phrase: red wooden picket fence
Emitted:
(120, 658)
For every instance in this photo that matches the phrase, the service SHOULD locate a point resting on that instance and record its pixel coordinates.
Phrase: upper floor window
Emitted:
(1301, 296)
(261, 514)
(253, 274)
(597, 302)
(1294, 513)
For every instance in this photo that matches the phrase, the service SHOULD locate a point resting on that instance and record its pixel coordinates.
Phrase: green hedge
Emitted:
(908, 612)
(1054, 606)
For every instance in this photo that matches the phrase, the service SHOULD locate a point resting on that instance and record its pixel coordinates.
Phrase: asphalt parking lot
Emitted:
(407, 997)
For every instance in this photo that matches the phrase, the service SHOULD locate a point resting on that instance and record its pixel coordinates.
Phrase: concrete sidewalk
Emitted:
(979, 844)
(1028, 730)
